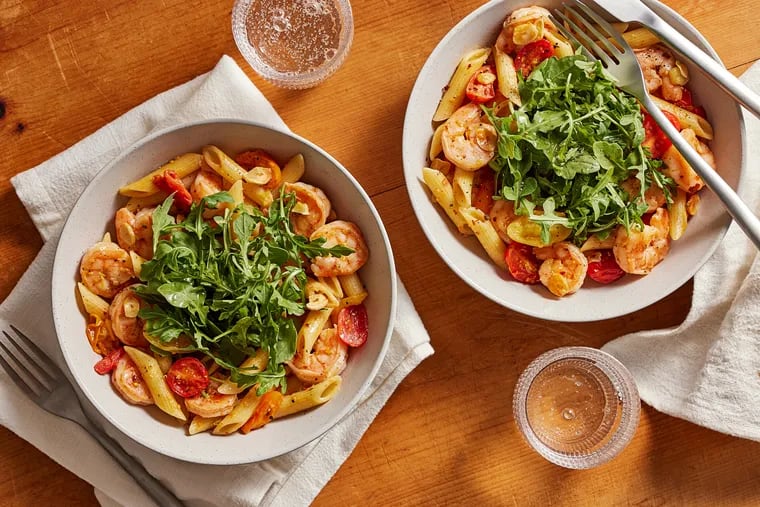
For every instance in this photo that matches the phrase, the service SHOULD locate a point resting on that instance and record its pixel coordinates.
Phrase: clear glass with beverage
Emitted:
(293, 43)
(577, 406)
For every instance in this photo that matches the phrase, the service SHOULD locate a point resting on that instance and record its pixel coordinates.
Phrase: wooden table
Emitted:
(447, 436)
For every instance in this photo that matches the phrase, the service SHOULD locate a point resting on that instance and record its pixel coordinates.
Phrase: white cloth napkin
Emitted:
(49, 191)
(707, 370)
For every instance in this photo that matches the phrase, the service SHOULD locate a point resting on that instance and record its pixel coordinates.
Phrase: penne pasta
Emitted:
(239, 415)
(135, 204)
(688, 120)
(506, 75)
(182, 166)
(319, 295)
(137, 262)
(443, 193)
(487, 235)
(309, 398)
(436, 146)
(640, 38)
(154, 379)
(352, 285)
(356, 299)
(252, 364)
(200, 424)
(93, 304)
(313, 324)
(678, 216)
(332, 283)
(455, 93)
(594, 243)
(462, 187)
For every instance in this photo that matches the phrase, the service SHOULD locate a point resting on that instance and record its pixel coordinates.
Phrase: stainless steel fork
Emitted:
(588, 30)
(46, 385)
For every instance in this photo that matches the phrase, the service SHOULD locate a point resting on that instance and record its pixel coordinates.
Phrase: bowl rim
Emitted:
(417, 90)
(60, 274)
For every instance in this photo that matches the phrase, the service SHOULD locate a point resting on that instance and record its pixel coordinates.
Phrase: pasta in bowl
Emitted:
(548, 189)
(238, 303)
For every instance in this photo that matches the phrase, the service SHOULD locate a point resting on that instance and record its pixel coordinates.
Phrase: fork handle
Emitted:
(737, 208)
(157, 491)
(714, 70)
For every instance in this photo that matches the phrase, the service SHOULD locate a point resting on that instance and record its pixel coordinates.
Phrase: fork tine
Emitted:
(11, 371)
(602, 38)
(43, 360)
(32, 365)
(588, 44)
(603, 23)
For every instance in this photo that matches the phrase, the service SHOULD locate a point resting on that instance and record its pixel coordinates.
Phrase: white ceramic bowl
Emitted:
(594, 301)
(92, 216)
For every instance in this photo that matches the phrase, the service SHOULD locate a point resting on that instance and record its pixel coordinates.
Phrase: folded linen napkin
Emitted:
(707, 370)
(49, 191)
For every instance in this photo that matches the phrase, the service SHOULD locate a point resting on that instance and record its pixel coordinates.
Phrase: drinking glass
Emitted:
(576, 406)
(293, 43)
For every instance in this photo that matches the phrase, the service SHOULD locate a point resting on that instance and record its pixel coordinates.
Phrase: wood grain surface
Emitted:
(68, 67)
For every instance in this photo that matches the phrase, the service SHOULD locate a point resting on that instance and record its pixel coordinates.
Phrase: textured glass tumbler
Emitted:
(293, 43)
(576, 406)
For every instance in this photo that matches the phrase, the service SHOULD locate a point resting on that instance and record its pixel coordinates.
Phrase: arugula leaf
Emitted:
(575, 138)
(232, 284)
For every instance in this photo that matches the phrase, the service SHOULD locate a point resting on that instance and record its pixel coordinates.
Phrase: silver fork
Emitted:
(46, 385)
(588, 30)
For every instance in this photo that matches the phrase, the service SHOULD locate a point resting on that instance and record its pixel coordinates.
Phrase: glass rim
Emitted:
(626, 390)
(291, 79)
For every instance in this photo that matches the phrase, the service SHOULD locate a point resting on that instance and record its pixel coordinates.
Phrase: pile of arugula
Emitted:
(567, 148)
(231, 285)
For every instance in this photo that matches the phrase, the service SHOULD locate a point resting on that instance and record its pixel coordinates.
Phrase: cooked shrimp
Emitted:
(205, 183)
(638, 251)
(501, 215)
(126, 325)
(658, 66)
(654, 196)
(105, 268)
(468, 142)
(679, 169)
(135, 231)
(128, 382)
(522, 27)
(563, 269)
(340, 232)
(328, 358)
(314, 208)
(211, 403)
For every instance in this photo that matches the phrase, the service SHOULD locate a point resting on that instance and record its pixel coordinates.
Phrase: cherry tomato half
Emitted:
(187, 377)
(353, 325)
(522, 263)
(169, 182)
(108, 363)
(529, 56)
(480, 88)
(605, 269)
(264, 412)
(655, 139)
(687, 102)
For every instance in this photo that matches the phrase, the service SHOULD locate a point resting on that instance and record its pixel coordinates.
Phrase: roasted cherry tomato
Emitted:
(170, 182)
(605, 269)
(480, 88)
(187, 377)
(108, 363)
(483, 189)
(529, 56)
(655, 139)
(264, 412)
(353, 326)
(687, 102)
(522, 263)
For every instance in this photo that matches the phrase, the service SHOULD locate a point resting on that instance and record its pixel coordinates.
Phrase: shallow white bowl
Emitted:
(465, 256)
(92, 216)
